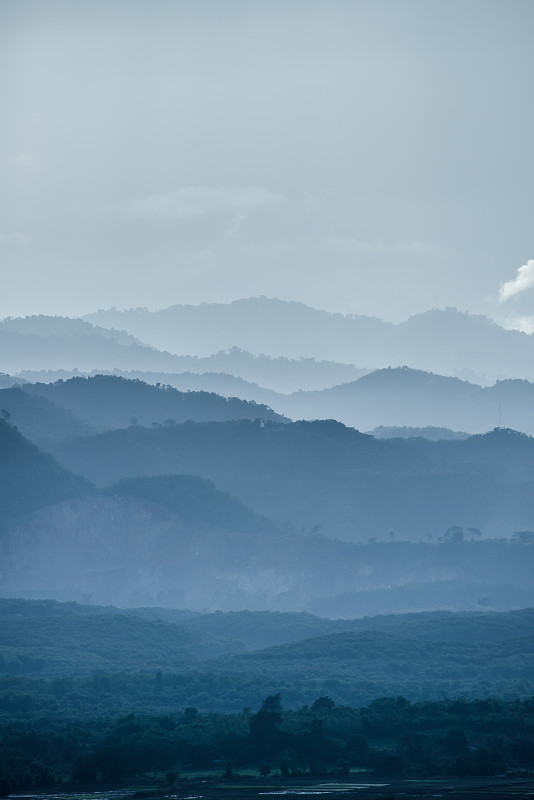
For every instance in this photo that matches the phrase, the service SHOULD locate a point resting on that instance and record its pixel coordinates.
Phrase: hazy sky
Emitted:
(369, 156)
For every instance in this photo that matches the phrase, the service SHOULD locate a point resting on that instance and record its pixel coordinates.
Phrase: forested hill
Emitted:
(39, 419)
(403, 396)
(31, 479)
(194, 499)
(109, 401)
(420, 656)
(325, 477)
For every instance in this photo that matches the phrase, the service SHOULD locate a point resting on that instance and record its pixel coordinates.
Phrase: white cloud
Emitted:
(524, 324)
(196, 201)
(522, 281)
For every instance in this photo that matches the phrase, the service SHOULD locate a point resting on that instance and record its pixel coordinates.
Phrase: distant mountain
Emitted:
(427, 432)
(108, 401)
(52, 343)
(399, 398)
(324, 477)
(46, 345)
(9, 380)
(413, 398)
(278, 374)
(44, 325)
(445, 341)
(40, 419)
(31, 479)
(213, 382)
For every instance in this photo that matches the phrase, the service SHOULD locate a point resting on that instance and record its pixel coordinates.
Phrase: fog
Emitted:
(266, 398)
(359, 157)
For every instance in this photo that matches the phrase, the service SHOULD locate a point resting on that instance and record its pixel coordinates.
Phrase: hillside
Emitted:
(31, 479)
(444, 341)
(109, 401)
(45, 344)
(49, 639)
(324, 477)
(194, 499)
(358, 667)
(129, 551)
(406, 432)
(40, 419)
(419, 656)
(407, 397)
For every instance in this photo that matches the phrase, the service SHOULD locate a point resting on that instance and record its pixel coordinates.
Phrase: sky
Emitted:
(362, 156)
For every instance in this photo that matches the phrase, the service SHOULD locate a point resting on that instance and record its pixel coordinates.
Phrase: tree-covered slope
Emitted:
(47, 638)
(419, 656)
(409, 397)
(31, 479)
(40, 419)
(109, 401)
(323, 474)
(194, 499)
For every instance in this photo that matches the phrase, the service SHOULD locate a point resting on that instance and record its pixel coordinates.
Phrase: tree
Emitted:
(323, 704)
(453, 535)
(523, 537)
(264, 726)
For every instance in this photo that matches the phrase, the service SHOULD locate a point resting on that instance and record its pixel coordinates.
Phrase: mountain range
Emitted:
(445, 341)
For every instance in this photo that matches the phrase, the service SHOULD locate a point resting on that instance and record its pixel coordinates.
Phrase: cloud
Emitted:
(523, 324)
(522, 281)
(196, 201)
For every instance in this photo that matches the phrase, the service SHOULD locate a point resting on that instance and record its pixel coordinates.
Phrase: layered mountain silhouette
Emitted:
(325, 477)
(45, 348)
(446, 341)
(31, 479)
(102, 402)
(407, 397)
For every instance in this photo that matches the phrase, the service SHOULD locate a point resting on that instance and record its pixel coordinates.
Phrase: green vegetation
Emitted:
(390, 736)
(110, 658)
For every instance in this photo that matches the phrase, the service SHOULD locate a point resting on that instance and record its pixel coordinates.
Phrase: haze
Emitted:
(363, 157)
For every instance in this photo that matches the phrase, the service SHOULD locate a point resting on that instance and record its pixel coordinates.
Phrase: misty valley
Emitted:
(256, 548)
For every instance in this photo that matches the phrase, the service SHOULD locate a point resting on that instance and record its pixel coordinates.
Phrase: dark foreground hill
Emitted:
(323, 477)
(109, 401)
